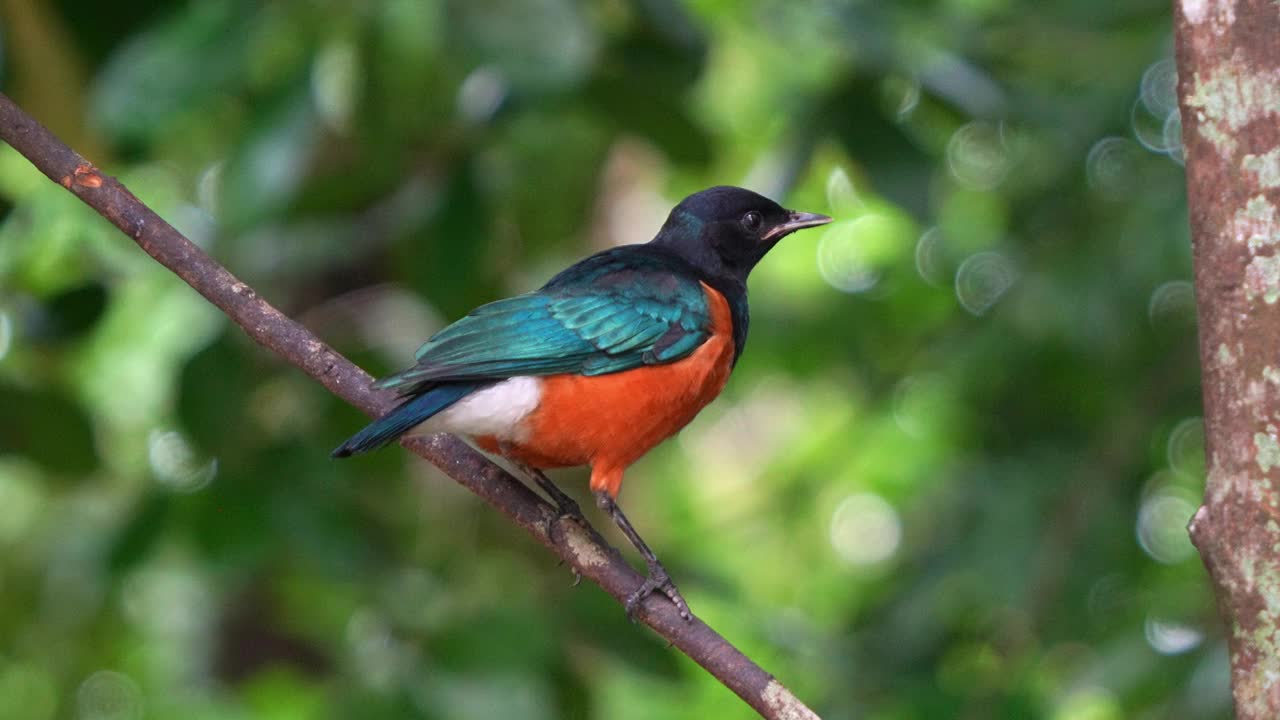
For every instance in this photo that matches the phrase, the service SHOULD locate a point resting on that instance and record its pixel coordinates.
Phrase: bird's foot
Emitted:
(565, 506)
(658, 579)
(567, 509)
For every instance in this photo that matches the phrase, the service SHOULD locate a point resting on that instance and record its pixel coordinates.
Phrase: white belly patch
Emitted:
(496, 410)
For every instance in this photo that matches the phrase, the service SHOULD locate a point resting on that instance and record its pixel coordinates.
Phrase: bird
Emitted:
(610, 357)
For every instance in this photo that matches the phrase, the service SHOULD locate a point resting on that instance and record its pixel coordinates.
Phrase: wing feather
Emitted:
(614, 311)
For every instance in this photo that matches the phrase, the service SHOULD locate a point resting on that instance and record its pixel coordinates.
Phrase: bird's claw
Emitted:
(565, 509)
(658, 579)
(577, 576)
(565, 506)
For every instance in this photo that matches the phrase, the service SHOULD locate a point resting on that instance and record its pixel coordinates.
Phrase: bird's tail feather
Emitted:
(403, 418)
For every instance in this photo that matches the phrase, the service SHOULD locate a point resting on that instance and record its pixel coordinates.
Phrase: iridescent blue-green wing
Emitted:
(612, 312)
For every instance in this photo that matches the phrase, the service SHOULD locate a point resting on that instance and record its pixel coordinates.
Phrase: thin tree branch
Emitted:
(1229, 93)
(583, 549)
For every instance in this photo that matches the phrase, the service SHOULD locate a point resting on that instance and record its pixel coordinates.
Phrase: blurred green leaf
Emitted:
(48, 427)
(949, 478)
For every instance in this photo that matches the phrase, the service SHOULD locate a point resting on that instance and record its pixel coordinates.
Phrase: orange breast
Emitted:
(609, 421)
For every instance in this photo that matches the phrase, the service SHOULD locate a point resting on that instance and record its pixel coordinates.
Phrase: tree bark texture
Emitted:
(582, 549)
(1228, 55)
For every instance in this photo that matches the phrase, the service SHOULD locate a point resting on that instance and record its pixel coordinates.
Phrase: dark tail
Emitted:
(403, 418)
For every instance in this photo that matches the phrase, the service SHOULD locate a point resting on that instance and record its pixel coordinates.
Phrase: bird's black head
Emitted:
(724, 231)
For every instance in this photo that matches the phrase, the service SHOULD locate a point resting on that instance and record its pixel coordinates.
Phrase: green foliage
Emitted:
(948, 479)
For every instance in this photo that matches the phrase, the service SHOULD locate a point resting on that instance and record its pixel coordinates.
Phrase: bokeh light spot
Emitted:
(175, 464)
(1148, 129)
(209, 188)
(901, 95)
(6, 333)
(383, 660)
(1159, 88)
(929, 257)
(865, 529)
(335, 76)
(1173, 304)
(1186, 448)
(481, 94)
(982, 279)
(842, 198)
(1111, 167)
(1154, 117)
(195, 223)
(1170, 638)
(169, 599)
(1172, 132)
(276, 162)
(844, 254)
(1162, 523)
(109, 695)
(978, 156)
(1108, 596)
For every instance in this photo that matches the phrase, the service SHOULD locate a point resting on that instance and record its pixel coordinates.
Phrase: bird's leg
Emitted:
(658, 579)
(566, 507)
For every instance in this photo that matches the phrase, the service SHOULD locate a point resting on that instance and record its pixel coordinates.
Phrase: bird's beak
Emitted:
(796, 221)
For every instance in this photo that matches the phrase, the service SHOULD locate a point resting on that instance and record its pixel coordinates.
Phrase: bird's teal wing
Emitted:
(614, 311)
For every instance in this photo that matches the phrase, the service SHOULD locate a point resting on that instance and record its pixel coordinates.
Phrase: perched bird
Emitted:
(611, 357)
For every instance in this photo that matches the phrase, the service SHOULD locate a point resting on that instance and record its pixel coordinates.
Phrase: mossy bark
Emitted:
(1229, 91)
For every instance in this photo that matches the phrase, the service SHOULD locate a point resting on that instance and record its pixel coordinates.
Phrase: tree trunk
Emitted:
(1229, 92)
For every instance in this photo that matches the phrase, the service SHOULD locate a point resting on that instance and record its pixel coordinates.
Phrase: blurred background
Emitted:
(949, 478)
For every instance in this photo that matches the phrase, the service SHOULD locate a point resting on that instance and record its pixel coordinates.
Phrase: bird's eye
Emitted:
(752, 221)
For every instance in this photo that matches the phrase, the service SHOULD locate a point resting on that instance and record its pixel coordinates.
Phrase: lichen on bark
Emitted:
(1229, 96)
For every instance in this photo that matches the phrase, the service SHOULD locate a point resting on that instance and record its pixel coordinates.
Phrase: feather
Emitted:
(612, 312)
(404, 417)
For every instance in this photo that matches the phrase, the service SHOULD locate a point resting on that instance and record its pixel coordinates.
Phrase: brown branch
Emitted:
(582, 549)
(1229, 93)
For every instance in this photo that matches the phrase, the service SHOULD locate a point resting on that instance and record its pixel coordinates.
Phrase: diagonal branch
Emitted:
(581, 548)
